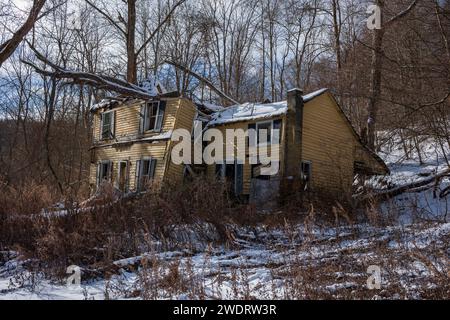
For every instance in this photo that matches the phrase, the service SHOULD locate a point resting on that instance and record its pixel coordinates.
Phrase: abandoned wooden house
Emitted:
(318, 145)
(132, 140)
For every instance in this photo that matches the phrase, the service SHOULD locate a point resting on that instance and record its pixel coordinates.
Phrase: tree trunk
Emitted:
(375, 84)
(131, 40)
(8, 47)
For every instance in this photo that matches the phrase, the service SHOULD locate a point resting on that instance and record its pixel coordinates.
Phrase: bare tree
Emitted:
(376, 69)
(8, 47)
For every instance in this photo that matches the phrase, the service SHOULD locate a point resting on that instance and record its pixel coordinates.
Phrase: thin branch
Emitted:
(152, 35)
(402, 14)
(107, 17)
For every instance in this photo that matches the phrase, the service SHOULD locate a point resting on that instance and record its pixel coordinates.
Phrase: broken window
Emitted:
(264, 130)
(104, 172)
(145, 172)
(107, 125)
(153, 116)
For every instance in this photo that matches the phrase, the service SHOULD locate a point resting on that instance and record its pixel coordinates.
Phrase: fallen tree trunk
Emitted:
(202, 79)
(97, 81)
(411, 187)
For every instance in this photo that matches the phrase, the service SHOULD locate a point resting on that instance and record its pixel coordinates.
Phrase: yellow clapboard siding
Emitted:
(247, 166)
(179, 113)
(329, 144)
(127, 119)
(132, 153)
(184, 120)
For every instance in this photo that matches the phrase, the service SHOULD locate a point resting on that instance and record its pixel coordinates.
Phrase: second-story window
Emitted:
(265, 133)
(264, 130)
(107, 125)
(153, 116)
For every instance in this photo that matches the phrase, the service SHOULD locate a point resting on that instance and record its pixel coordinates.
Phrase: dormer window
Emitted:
(107, 125)
(153, 116)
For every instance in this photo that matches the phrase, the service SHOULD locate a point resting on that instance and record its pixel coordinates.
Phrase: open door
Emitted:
(122, 179)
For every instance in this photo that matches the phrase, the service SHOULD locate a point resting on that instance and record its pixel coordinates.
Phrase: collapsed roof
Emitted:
(255, 111)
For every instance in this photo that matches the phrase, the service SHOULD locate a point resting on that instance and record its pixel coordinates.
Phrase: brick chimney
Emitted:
(293, 140)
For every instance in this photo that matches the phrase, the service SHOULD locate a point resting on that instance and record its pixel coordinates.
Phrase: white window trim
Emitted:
(147, 106)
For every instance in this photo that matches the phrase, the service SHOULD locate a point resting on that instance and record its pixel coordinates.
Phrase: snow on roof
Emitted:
(152, 86)
(102, 104)
(212, 107)
(256, 111)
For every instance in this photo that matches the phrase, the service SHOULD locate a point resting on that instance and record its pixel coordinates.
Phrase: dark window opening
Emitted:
(107, 125)
(146, 172)
(306, 174)
(264, 132)
(153, 117)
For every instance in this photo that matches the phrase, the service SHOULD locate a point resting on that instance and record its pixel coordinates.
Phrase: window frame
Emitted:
(151, 174)
(157, 116)
(111, 125)
(308, 182)
(107, 173)
(268, 142)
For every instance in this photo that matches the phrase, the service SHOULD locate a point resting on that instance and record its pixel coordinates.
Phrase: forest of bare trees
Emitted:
(59, 57)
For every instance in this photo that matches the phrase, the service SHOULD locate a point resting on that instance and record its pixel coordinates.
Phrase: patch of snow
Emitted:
(256, 111)
(213, 107)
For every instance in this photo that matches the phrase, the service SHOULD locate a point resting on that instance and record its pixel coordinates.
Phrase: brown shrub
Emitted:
(109, 227)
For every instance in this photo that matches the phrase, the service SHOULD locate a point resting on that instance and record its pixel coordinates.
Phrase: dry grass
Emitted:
(306, 264)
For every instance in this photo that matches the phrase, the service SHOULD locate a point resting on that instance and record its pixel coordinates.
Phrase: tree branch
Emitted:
(97, 81)
(150, 37)
(402, 14)
(202, 79)
(8, 47)
(107, 17)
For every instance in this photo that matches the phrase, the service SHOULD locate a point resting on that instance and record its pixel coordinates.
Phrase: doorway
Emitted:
(122, 180)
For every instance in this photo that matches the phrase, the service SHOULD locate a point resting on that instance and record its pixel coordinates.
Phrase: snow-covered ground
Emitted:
(268, 264)
(418, 204)
(293, 262)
